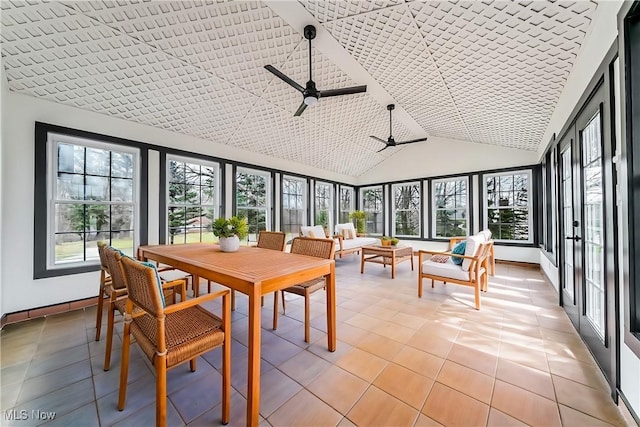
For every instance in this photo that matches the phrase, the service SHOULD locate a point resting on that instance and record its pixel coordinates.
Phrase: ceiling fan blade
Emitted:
(301, 109)
(385, 147)
(344, 91)
(411, 141)
(378, 139)
(284, 78)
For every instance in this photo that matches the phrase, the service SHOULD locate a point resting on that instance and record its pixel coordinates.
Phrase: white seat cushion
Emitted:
(315, 231)
(358, 242)
(486, 234)
(347, 230)
(473, 245)
(171, 275)
(446, 269)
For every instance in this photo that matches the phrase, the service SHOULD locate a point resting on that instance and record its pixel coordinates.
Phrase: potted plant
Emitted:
(360, 217)
(230, 231)
(389, 241)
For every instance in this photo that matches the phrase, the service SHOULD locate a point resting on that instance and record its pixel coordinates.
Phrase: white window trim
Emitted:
(485, 203)
(434, 210)
(201, 162)
(393, 208)
(53, 139)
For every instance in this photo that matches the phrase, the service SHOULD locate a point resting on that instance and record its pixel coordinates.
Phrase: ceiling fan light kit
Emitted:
(391, 142)
(310, 94)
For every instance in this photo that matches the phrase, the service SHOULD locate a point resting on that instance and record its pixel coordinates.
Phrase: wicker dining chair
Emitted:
(116, 291)
(171, 335)
(105, 278)
(320, 248)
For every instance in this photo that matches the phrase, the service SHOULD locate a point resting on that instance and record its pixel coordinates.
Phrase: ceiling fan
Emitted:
(390, 142)
(310, 93)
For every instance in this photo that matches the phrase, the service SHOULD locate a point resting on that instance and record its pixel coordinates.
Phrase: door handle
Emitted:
(576, 238)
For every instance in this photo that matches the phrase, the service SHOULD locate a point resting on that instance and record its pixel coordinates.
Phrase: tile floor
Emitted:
(400, 361)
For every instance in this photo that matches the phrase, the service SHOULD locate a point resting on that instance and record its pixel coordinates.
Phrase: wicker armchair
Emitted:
(320, 248)
(105, 278)
(117, 293)
(172, 335)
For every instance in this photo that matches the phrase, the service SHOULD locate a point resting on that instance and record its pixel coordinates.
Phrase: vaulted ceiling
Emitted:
(484, 72)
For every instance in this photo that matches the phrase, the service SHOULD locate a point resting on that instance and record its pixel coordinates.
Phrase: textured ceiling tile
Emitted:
(511, 128)
(325, 11)
(439, 121)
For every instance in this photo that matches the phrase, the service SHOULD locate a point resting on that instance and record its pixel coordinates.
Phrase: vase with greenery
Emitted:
(230, 231)
(360, 217)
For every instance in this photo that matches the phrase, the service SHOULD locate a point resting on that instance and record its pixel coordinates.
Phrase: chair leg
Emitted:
(100, 307)
(233, 300)
(124, 365)
(275, 310)
(161, 390)
(192, 364)
(284, 307)
(477, 294)
(110, 321)
(306, 315)
(419, 286)
(226, 362)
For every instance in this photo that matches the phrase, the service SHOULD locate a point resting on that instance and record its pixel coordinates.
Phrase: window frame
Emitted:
(394, 209)
(381, 212)
(352, 203)
(268, 208)
(530, 204)
(331, 201)
(44, 187)
(434, 210)
(217, 186)
(304, 197)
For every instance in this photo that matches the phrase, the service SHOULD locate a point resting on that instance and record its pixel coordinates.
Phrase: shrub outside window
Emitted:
(450, 207)
(93, 196)
(192, 200)
(508, 209)
(406, 209)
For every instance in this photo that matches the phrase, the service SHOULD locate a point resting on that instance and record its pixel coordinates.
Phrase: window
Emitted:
(253, 199)
(192, 199)
(450, 207)
(294, 205)
(324, 205)
(372, 205)
(347, 204)
(509, 206)
(406, 209)
(93, 196)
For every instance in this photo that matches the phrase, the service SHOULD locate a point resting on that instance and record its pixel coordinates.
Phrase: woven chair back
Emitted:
(103, 258)
(142, 285)
(271, 240)
(117, 279)
(320, 248)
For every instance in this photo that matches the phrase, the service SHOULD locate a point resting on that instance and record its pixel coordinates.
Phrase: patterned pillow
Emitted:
(158, 280)
(347, 233)
(440, 258)
(459, 250)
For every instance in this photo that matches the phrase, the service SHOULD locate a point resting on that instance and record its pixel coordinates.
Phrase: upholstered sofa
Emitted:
(346, 238)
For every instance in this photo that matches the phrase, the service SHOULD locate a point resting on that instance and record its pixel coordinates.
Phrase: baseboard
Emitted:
(519, 263)
(626, 409)
(48, 310)
(3, 321)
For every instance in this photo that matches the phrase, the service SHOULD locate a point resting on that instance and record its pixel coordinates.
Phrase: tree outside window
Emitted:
(509, 206)
(406, 209)
(193, 200)
(347, 205)
(372, 206)
(323, 205)
(294, 206)
(252, 200)
(450, 207)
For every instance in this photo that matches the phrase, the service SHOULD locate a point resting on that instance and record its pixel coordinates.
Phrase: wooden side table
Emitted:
(386, 255)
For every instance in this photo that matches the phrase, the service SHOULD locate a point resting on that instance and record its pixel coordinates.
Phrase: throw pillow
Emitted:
(158, 280)
(440, 258)
(311, 234)
(459, 250)
(346, 234)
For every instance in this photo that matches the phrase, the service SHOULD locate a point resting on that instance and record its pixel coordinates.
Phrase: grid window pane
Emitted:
(406, 209)
(509, 206)
(450, 207)
(372, 206)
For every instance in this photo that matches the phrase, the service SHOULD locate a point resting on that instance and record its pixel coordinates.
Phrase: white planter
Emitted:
(229, 244)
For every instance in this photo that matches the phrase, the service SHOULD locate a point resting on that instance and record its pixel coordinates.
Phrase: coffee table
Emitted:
(386, 255)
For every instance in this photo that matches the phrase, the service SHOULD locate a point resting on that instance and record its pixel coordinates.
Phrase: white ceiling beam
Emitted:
(294, 14)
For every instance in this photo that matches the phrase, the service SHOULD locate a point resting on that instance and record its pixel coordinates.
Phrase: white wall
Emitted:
(3, 88)
(19, 113)
(440, 156)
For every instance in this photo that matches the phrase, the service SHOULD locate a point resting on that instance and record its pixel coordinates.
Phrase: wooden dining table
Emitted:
(254, 272)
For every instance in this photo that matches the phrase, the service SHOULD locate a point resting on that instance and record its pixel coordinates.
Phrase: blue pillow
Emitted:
(459, 249)
(155, 268)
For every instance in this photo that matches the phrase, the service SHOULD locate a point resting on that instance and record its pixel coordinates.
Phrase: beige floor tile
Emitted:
(500, 419)
(361, 363)
(576, 371)
(590, 401)
(383, 347)
(571, 417)
(305, 409)
(404, 384)
(339, 388)
(452, 408)
(523, 356)
(419, 361)
(524, 405)
(526, 377)
(377, 408)
(473, 358)
(304, 367)
(424, 421)
(466, 380)
(432, 343)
